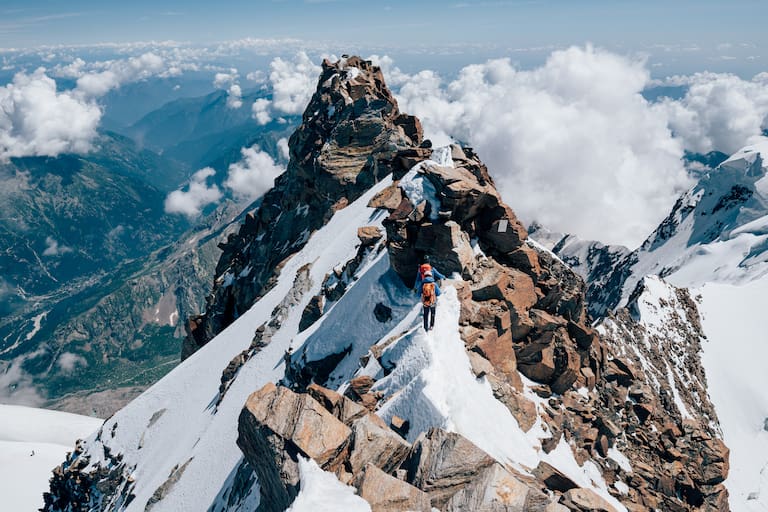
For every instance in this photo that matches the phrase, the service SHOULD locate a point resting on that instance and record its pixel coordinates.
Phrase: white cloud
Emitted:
(234, 97)
(119, 72)
(223, 80)
(252, 176)
(293, 83)
(257, 76)
(16, 385)
(261, 111)
(37, 120)
(571, 144)
(229, 82)
(52, 248)
(198, 195)
(282, 147)
(719, 111)
(69, 361)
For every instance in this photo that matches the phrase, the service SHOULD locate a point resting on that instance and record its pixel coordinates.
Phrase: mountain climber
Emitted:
(430, 290)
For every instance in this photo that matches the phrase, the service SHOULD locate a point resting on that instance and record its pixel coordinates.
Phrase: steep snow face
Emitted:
(176, 423)
(735, 358)
(32, 443)
(717, 231)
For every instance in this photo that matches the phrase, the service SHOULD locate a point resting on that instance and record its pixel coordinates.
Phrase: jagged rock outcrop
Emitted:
(524, 311)
(351, 137)
(521, 313)
(441, 470)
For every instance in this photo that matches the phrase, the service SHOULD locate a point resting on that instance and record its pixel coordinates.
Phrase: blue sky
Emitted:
(686, 34)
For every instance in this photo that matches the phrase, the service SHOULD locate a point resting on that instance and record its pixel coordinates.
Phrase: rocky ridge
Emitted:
(351, 137)
(523, 324)
(524, 311)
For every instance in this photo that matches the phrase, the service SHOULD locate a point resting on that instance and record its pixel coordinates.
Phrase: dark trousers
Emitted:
(429, 317)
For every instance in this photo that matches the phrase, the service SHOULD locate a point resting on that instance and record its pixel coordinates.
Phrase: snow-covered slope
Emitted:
(717, 231)
(176, 421)
(735, 355)
(512, 374)
(715, 243)
(32, 443)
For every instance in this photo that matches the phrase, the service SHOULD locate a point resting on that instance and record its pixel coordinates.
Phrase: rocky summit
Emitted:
(352, 135)
(311, 351)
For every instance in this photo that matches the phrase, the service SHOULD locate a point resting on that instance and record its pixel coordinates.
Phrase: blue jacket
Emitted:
(436, 276)
(430, 280)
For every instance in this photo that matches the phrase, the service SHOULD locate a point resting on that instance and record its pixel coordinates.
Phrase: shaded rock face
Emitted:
(350, 137)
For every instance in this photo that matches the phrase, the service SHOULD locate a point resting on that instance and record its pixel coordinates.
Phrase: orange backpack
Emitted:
(428, 297)
(424, 269)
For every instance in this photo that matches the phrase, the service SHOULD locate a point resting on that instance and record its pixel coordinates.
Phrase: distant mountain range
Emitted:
(96, 279)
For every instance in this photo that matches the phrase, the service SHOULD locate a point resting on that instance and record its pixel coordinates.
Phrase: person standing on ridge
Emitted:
(430, 290)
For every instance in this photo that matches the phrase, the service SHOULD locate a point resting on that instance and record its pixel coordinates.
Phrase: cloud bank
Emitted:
(719, 111)
(117, 73)
(38, 120)
(246, 180)
(571, 144)
(229, 82)
(293, 82)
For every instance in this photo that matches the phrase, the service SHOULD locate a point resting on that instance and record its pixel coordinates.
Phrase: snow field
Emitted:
(50, 435)
(734, 358)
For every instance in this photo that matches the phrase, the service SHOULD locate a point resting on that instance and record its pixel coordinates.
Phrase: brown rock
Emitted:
(276, 425)
(344, 409)
(480, 365)
(297, 418)
(374, 444)
(361, 385)
(441, 463)
(568, 366)
(543, 321)
(496, 489)
(499, 351)
(582, 335)
(537, 362)
(411, 126)
(389, 198)
(461, 192)
(386, 493)
(602, 445)
(553, 478)
(502, 231)
(448, 245)
(370, 401)
(525, 258)
(522, 409)
(369, 235)
(586, 500)
(400, 425)
(589, 377)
